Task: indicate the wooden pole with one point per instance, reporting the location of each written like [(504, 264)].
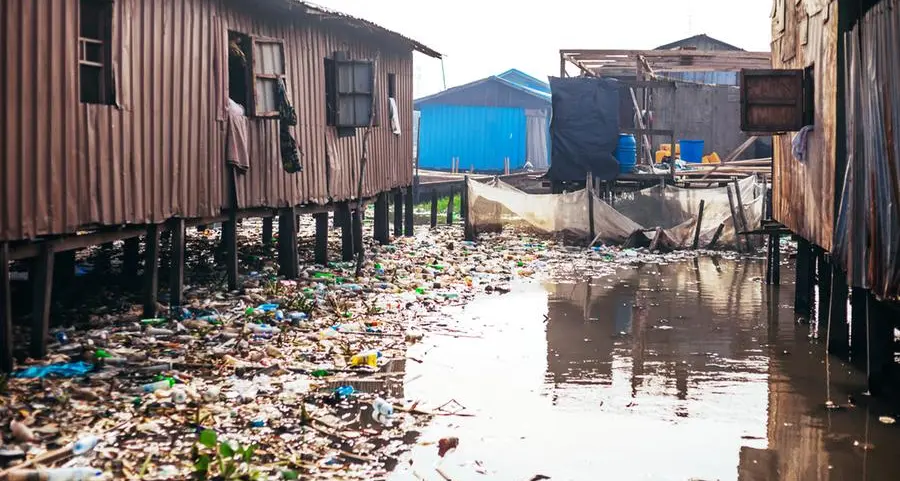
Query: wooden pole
[(398, 213), (229, 236), (838, 329), (803, 289), (450, 207), (288, 255), (346, 221), (267, 231), (321, 247), (859, 337), (696, 242), (381, 227), (735, 219), (464, 198), (6, 330), (356, 220), (151, 270), (176, 270), (409, 219), (589, 190), (716, 235), (740, 208), (823, 279), (879, 318), (468, 221), (434, 208)]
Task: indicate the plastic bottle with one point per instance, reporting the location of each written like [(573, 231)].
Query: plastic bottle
[(279, 315), (157, 331), (263, 328), (298, 316), (382, 411), (84, 445), (158, 385), (369, 358)]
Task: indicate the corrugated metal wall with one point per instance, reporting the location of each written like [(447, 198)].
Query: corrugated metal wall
[(159, 153), (802, 192), (306, 46), (709, 78), (480, 136)]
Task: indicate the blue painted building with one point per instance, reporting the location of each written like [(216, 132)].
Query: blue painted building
[(484, 122)]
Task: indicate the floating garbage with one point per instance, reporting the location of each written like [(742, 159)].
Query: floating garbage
[(65, 369)]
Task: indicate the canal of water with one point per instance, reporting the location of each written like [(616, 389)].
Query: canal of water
[(693, 370)]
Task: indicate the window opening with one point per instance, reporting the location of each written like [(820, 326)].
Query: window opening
[(239, 48), (94, 52), (349, 91)]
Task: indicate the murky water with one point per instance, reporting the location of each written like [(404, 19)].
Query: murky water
[(688, 371)]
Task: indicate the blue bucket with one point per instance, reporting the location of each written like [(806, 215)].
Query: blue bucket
[(626, 153), (691, 150)]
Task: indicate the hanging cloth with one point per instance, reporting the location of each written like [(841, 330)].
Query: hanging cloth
[(287, 117), (799, 143)]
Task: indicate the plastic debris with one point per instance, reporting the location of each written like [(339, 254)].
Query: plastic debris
[(65, 369)]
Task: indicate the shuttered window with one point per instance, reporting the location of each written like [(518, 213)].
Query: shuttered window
[(775, 101), (268, 69), (350, 92)]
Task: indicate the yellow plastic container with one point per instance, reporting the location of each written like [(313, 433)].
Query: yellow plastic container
[(712, 158), (665, 150)]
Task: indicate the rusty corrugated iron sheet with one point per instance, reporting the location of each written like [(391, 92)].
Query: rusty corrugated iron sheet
[(159, 152), (867, 237), (801, 191)]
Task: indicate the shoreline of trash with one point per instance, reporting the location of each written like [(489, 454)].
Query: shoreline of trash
[(277, 380)]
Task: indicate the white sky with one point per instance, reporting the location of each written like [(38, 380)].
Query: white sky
[(480, 38)]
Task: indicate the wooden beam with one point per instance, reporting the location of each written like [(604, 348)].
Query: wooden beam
[(151, 270), (176, 269), (409, 219), (381, 225), (6, 330), (356, 222), (321, 248), (346, 222), (267, 231), (398, 213), (696, 242)]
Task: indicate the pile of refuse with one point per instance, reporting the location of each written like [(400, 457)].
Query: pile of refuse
[(279, 379)]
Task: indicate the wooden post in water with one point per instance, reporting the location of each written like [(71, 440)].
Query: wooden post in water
[(288, 255), (838, 330), (881, 344), (381, 224), (803, 289), (347, 244), (409, 219), (151, 270), (398, 213), (434, 208), (176, 269), (823, 280), (42, 281), (267, 231), (450, 206), (6, 330), (716, 235), (696, 242), (321, 247)]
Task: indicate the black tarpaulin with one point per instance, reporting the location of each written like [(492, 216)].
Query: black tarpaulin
[(584, 128)]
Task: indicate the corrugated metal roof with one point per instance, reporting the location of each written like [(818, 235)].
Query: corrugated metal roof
[(539, 94), (698, 40), (519, 77), (313, 10)]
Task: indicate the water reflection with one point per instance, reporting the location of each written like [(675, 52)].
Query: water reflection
[(691, 370)]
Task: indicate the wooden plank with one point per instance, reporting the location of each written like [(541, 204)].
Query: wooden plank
[(6, 330), (716, 235), (151, 270), (321, 248), (176, 270)]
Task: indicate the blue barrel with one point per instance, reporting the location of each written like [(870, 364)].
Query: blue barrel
[(626, 153), (691, 150)]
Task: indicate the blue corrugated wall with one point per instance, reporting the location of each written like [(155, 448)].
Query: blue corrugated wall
[(480, 136)]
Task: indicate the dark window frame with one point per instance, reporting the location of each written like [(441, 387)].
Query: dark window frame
[(95, 65), (334, 67), (255, 74)]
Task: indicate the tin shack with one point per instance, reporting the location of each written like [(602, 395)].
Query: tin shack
[(128, 118)]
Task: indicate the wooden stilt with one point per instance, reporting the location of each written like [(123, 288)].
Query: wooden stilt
[(450, 206), (803, 289), (859, 338), (409, 220), (267, 231), (43, 292), (434, 208), (288, 255), (6, 331), (838, 330), (151, 271), (229, 237), (321, 249), (131, 258), (176, 270), (357, 230), (381, 229), (464, 198), (398, 213), (716, 235), (696, 242), (346, 231), (881, 344), (823, 279)]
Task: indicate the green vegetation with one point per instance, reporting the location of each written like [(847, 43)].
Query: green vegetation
[(443, 202)]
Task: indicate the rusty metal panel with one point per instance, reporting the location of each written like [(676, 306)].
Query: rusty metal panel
[(771, 100), (803, 191)]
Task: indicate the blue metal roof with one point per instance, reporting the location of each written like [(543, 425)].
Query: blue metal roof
[(511, 79)]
